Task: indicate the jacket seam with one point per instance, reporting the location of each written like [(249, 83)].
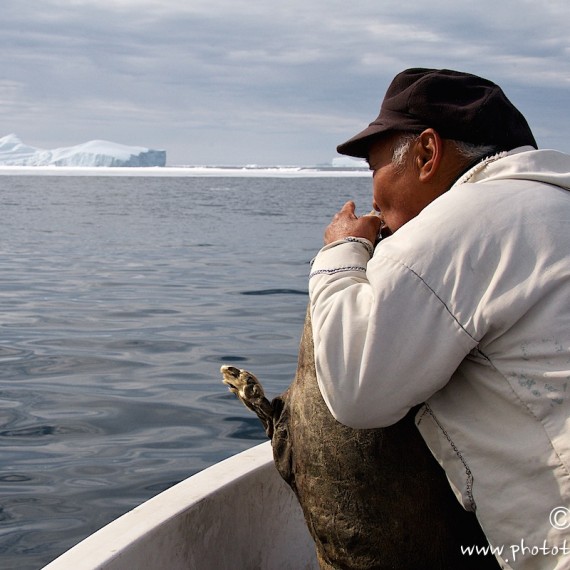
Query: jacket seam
[(401, 263), (469, 483)]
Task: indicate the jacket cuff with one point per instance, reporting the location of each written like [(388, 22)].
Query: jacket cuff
[(349, 254)]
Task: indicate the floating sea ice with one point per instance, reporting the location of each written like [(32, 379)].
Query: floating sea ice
[(13, 152)]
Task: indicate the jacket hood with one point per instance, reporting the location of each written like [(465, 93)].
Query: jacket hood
[(523, 163)]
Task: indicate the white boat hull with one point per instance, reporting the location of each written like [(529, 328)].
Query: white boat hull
[(237, 514)]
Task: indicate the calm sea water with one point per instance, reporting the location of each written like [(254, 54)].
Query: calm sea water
[(120, 299)]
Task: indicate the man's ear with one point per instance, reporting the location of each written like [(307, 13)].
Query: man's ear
[(429, 151)]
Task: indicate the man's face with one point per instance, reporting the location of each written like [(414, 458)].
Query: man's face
[(397, 192)]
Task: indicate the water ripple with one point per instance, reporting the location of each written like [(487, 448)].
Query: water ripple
[(120, 299), (276, 292)]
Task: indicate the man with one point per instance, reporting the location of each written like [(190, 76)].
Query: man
[(465, 307)]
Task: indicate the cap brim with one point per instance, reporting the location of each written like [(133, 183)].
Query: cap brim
[(359, 145)]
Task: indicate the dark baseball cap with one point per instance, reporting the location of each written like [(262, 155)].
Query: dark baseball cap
[(459, 106)]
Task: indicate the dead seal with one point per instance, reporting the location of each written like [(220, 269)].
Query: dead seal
[(372, 499)]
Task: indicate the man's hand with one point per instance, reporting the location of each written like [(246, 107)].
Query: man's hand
[(346, 224)]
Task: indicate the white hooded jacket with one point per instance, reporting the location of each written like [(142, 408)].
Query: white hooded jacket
[(467, 308)]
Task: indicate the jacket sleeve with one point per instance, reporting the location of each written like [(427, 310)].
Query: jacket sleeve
[(384, 341)]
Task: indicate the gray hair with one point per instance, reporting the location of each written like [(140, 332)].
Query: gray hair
[(469, 152)]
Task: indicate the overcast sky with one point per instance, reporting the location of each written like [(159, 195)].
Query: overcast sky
[(262, 82)]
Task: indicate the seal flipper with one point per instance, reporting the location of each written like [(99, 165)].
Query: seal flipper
[(249, 390)]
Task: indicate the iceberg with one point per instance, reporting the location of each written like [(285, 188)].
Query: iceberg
[(13, 152), (348, 162)]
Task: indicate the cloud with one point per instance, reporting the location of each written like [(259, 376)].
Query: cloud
[(263, 82)]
